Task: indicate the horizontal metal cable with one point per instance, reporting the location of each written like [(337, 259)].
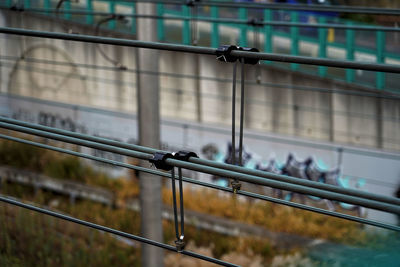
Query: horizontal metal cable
[(239, 169), (369, 93), (217, 187), (205, 50), (195, 126), (342, 197), (112, 231), (252, 101), (209, 19), (277, 6)]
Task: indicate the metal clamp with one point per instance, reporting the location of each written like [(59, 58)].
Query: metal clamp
[(180, 244), (236, 185), (18, 8), (224, 54), (191, 3), (255, 22), (159, 160), (251, 61), (184, 155)]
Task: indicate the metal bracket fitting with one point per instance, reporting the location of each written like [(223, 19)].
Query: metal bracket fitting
[(159, 160), (180, 244), (184, 155), (236, 186), (224, 53)]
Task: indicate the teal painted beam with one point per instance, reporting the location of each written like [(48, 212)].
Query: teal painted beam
[(111, 8), (268, 45), (294, 32), (27, 3), (89, 7), (322, 36), (133, 23), (243, 27), (350, 40), (160, 23), (215, 27), (380, 58), (67, 6), (186, 34), (47, 5)]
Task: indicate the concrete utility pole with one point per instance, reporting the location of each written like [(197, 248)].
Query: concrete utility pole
[(149, 135)]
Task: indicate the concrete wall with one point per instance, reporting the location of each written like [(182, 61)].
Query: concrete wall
[(341, 118), (278, 119)]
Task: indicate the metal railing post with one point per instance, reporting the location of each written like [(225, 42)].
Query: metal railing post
[(111, 8), (89, 7), (186, 34), (160, 23), (133, 24), (380, 58), (268, 45), (47, 5), (322, 35), (67, 6), (243, 27), (215, 27), (350, 52), (27, 3), (294, 32)]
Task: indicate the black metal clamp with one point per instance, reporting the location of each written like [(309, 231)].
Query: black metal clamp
[(255, 22), (236, 185), (158, 160), (18, 8), (191, 3), (224, 54)]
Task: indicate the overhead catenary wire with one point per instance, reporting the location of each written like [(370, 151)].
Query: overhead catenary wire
[(205, 50), (213, 186), (344, 196), (381, 94), (45, 131), (112, 231), (195, 126), (206, 95), (217, 20)]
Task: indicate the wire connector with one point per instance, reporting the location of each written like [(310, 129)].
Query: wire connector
[(236, 186), (18, 8), (184, 155), (251, 61), (255, 22), (224, 53), (191, 3), (159, 160), (180, 244)]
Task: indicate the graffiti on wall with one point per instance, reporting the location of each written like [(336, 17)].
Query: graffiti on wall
[(308, 169), (67, 123)]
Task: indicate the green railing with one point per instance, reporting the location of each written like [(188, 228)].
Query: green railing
[(325, 40)]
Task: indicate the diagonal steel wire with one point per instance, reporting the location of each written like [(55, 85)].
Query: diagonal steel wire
[(391, 68)]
